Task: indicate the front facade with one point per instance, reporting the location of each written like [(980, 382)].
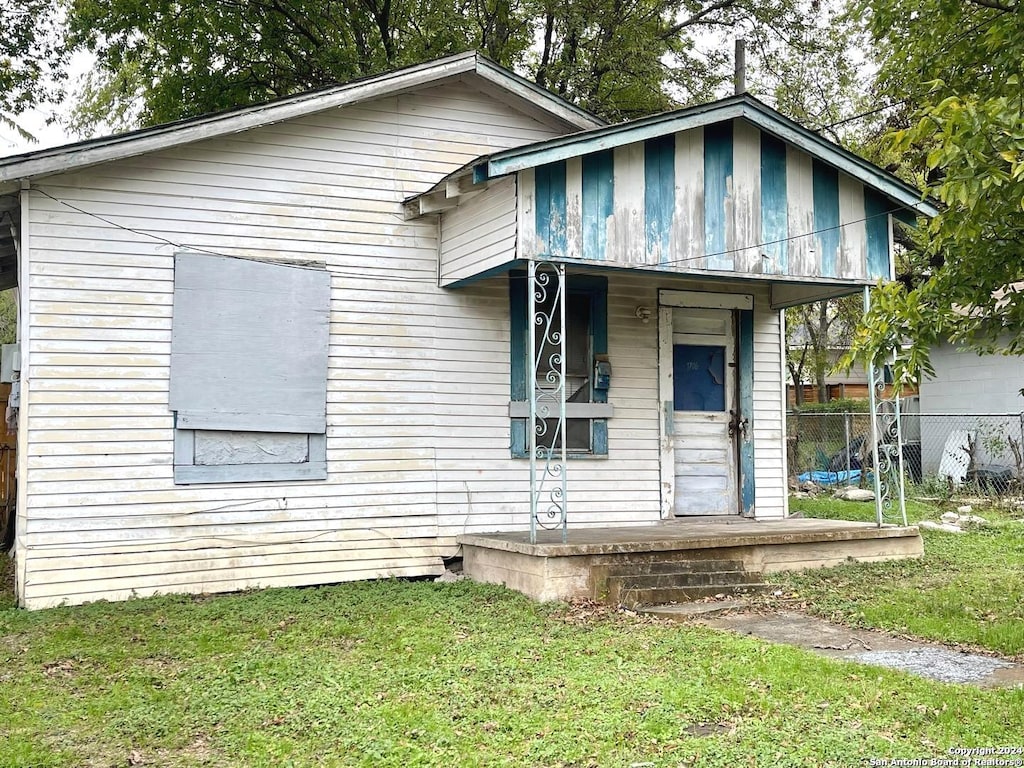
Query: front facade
[(287, 346)]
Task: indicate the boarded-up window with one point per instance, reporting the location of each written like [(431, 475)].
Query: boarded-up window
[(248, 370)]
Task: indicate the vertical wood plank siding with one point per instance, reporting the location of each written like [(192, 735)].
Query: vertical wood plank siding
[(551, 207), (597, 203), (659, 194), (727, 198), (774, 215), (416, 380), (826, 217), (876, 212), (719, 225)]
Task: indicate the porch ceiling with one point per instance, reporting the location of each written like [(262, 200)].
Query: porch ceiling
[(785, 292)]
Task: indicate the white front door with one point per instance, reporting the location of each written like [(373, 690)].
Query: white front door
[(703, 400)]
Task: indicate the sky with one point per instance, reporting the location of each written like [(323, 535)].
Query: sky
[(35, 120)]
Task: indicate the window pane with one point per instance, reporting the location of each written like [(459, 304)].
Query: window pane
[(578, 354), (578, 431)]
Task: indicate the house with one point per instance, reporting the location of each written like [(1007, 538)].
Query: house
[(285, 345), (967, 416)]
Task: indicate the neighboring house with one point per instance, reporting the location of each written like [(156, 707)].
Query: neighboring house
[(851, 384), (974, 395), (285, 345)]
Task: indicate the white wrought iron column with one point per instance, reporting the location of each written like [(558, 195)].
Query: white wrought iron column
[(546, 428), (886, 442)]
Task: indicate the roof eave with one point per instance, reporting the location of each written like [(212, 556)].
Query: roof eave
[(562, 148), (80, 155)]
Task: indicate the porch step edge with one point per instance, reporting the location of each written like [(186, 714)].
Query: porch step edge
[(664, 595), (683, 563), (683, 579)]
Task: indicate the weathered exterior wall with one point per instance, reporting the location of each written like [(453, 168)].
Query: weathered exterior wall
[(418, 381), (100, 517), (970, 384), (724, 198), (480, 234), (480, 489)]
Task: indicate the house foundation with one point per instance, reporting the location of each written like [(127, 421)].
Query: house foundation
[(582, 566)]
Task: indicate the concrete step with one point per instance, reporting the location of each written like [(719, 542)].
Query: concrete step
[(652, 596), (682, 579), (669, 565)]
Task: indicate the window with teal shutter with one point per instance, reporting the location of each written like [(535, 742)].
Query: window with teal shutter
[(587, 338)]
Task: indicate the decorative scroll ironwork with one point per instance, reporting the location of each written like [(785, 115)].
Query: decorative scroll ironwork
[(547, 383), (887, 445)]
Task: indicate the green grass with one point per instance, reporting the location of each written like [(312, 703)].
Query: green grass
[(423, 674), (967, 589)]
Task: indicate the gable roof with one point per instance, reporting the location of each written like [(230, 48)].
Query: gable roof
[(740, 106), (72, 157)]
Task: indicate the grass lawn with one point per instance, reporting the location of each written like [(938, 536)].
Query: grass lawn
[(417, 673), (968, 588)]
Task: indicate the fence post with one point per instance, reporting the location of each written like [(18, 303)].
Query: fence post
[(846, 444)]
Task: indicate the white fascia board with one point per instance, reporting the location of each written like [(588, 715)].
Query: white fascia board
[(528, 91), (554, 150), (862, 171), (504, 163), (73, 157)]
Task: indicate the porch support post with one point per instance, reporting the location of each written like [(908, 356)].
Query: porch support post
[(886, 442), (546, 346)]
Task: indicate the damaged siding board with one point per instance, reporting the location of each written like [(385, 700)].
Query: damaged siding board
[(551, 209), (688, 234), (719, 200), (876, 213), (598, 203), (852, 233), (747, 198), (107, 521), (659, 196), (826, 217), (800, 204), (774, 214)]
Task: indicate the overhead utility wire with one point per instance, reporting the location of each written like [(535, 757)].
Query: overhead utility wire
[(415, 278)]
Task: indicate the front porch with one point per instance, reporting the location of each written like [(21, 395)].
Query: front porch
[(593, 562)]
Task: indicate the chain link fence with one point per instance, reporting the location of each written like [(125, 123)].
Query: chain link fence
[(942, 452)]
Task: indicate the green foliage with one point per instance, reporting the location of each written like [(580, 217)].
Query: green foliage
[(962, 137), (8, 318), (816, 334), (400, 674), (160, 61), (838, 405), (966, 589), (28, 53)]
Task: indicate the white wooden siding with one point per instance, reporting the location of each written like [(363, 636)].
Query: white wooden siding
[(418, 380), (102, 517), (480, 234)]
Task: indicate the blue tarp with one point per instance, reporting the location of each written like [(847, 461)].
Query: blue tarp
[(831, 478)]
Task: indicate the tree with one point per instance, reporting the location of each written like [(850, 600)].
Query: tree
[(956, 66), (29, 53), (161, 60), (815, 335)]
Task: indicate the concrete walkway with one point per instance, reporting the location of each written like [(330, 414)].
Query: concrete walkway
[(867, 646)]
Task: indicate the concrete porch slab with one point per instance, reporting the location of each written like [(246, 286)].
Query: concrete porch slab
[(579, 568)]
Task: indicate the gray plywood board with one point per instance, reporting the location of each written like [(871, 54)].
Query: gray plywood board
[(249, 345)]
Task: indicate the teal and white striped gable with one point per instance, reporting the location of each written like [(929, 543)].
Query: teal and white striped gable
[(726, 197), (731, 188)]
